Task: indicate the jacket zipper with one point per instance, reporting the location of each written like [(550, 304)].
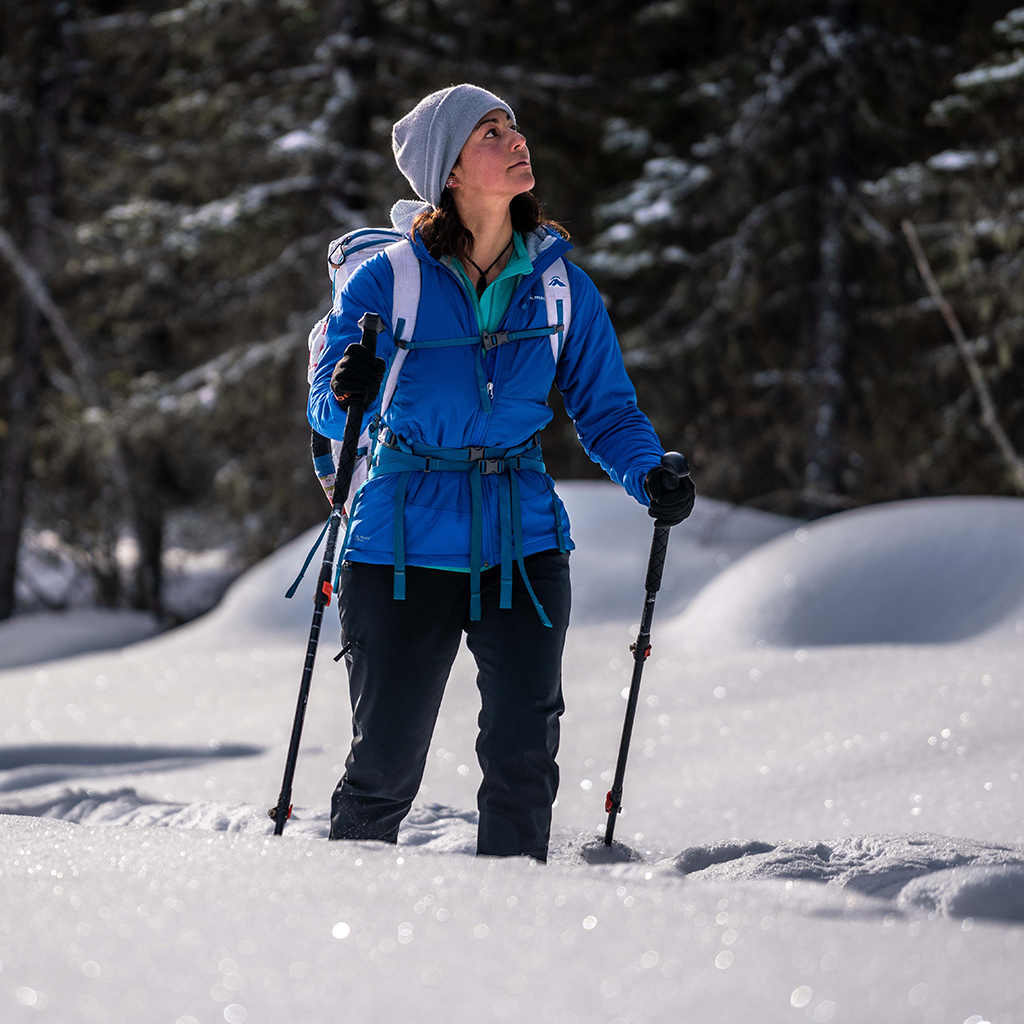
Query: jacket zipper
[(490, 557)]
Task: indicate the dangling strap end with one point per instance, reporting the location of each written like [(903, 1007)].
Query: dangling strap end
[(399, 536), (309, 558)]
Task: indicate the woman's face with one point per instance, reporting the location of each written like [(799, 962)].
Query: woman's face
[(495, 160)]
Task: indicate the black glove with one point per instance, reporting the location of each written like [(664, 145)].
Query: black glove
[(357, 376), (671, 492)]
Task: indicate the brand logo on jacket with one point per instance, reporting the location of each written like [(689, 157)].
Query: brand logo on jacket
[(556, 282)]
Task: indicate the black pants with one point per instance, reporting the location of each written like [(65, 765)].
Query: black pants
[(402, 652)]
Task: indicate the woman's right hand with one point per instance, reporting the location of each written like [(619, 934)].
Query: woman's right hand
[(357, 376)]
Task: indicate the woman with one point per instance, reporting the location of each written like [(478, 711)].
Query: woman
[(458, 528)]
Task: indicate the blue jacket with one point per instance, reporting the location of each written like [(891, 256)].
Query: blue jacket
[(437, 403)]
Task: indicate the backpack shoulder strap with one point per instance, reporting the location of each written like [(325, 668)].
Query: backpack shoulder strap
[(406, 303), (404, 308), (558, 299)]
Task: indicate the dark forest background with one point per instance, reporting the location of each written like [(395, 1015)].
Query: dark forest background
[(735, 174)]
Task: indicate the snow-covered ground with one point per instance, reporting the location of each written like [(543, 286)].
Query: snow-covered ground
[(823, 802), (42, 636)]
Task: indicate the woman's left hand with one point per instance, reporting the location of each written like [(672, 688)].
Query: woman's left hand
[(671, 496)]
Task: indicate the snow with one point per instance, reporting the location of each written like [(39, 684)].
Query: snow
[(297, 141), (952, 160), (665, 181), (1011, 27), (221, 214), (823, 808), (620, 136), (43, 635), (997, 74), (914, 572)]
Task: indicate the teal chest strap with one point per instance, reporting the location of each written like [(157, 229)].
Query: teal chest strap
[(394, 455), (485, 341)]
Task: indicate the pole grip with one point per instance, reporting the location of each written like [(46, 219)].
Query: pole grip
[(371, 326), (656, 563), (676, 467)]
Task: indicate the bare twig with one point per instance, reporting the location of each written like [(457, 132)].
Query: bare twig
[(989, 417), (35, 288), (83, 367)]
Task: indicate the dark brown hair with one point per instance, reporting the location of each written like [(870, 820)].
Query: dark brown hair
[(444, 234)]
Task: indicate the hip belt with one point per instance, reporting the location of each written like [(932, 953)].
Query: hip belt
[(395, 455)]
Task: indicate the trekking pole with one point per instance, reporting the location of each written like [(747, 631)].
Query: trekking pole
[(675, 465), (371, 325)]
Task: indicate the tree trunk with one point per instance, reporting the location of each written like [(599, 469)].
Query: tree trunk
[(22, 416), (825, 455), (149, 533), (24, 390)]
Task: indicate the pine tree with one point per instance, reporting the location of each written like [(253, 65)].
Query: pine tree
[(731, 258), (33, 100), (965, 200), (209, 154)]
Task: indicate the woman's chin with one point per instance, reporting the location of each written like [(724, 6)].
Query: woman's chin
[(524, 182)]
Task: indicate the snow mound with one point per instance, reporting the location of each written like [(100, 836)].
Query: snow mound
[(955, 877), (44, 636), (935, 570), (993, 892), (433, 828), (613, 537), (126, 806)]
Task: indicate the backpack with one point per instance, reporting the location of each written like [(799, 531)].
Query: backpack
[(344, 256)]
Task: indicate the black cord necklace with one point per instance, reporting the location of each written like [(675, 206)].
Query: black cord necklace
[(481, 285)]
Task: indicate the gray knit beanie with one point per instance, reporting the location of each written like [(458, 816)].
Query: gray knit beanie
[(428, 140)]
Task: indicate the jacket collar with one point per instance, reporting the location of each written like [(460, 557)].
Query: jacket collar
[(543, 246)]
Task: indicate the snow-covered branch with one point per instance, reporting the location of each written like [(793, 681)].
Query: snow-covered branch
[(200, 388), (727, 290)]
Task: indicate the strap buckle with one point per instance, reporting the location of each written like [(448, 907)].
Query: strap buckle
[(476, 454), (492, 340), (492, 466)]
